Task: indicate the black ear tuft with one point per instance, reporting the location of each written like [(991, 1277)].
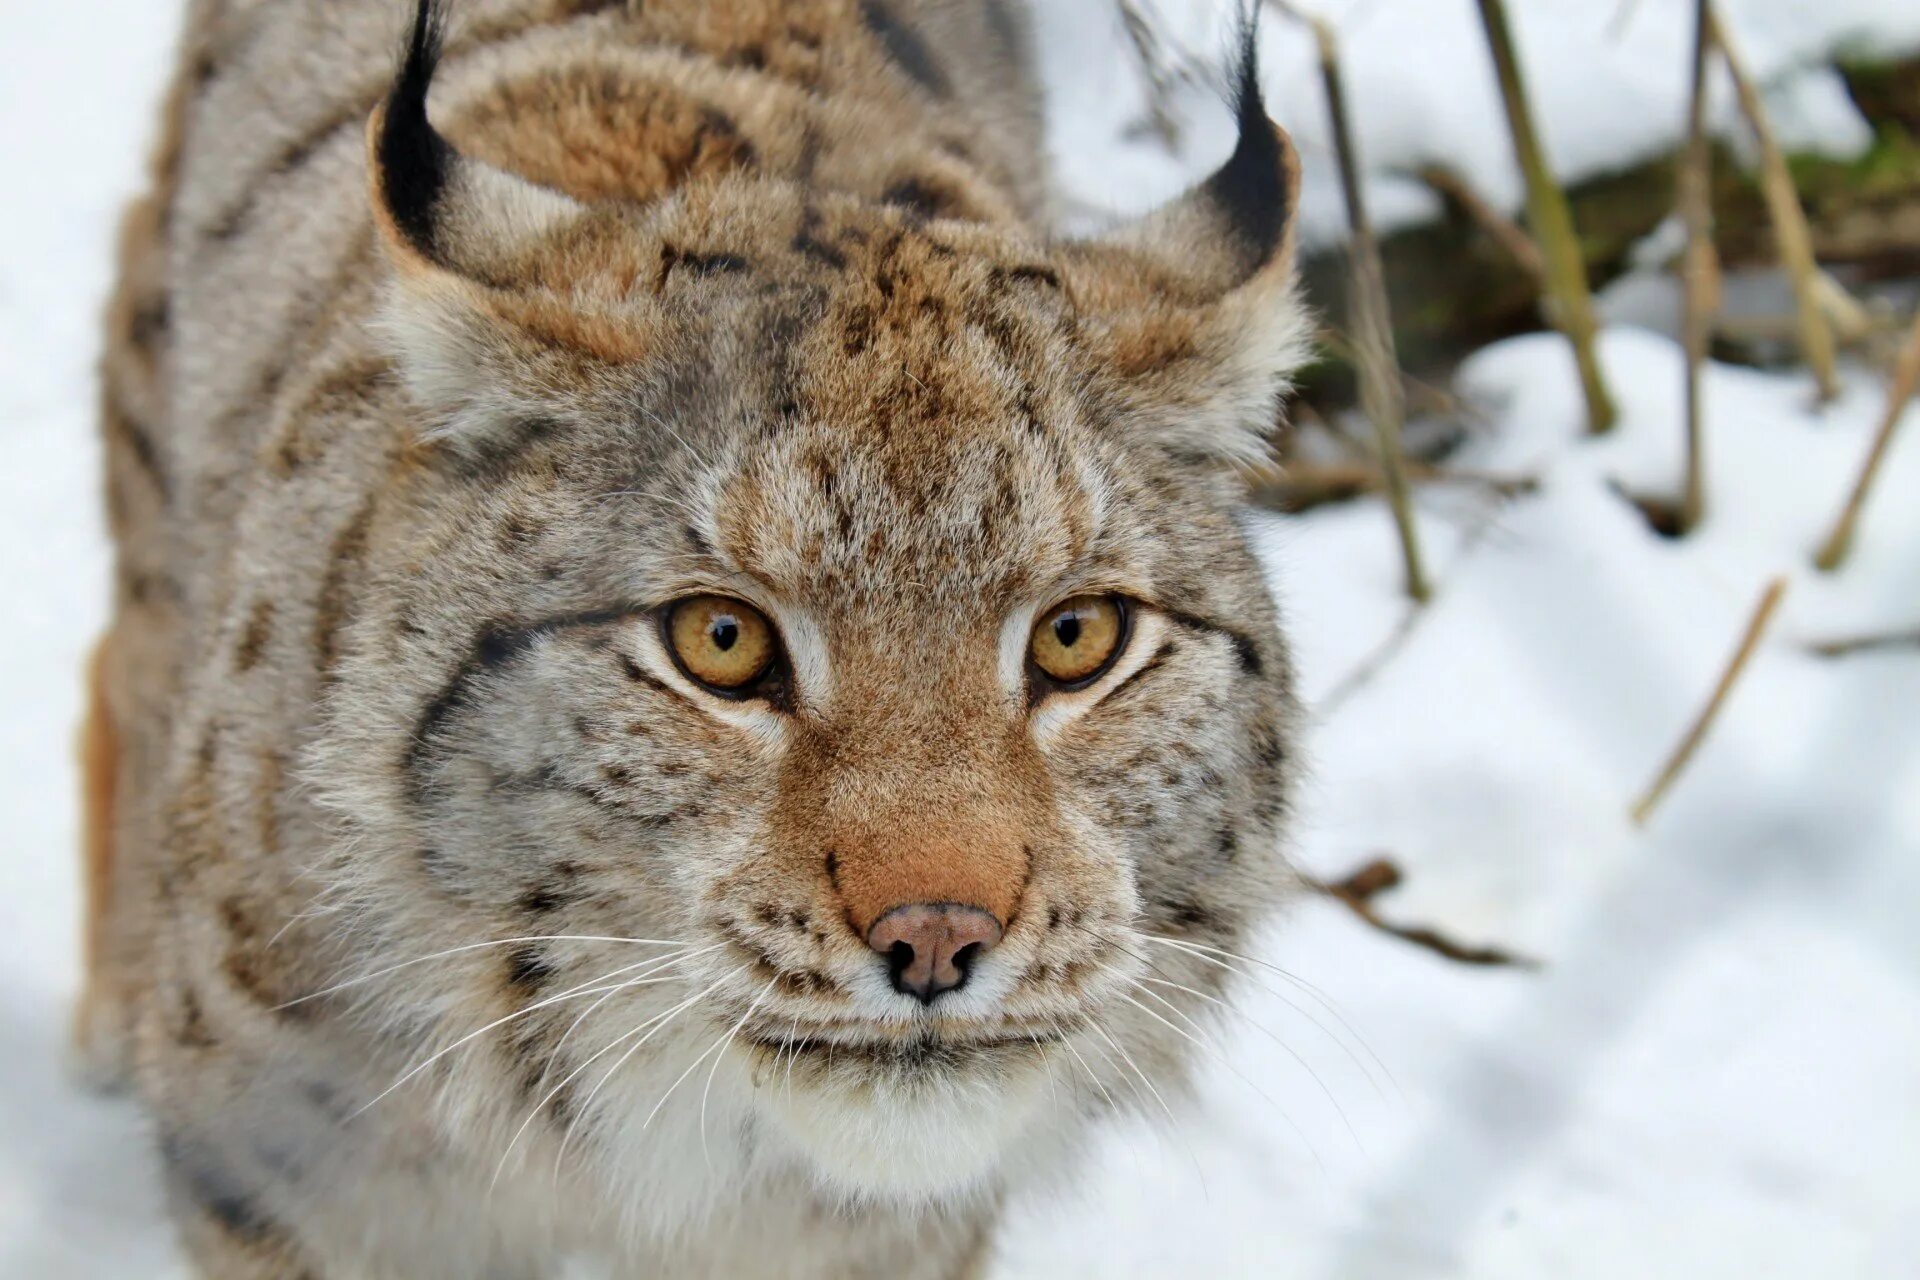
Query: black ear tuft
[(1251, 189), (415, 163)]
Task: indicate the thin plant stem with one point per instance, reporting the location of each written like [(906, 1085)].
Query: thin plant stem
[(1789, 220), (1877, 643), (1699, 269), (1696, 733), (1906, 375), (1551, 222), (1382, 393), (1508, 234)]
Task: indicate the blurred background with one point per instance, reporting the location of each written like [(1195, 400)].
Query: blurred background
[(1597, 528)]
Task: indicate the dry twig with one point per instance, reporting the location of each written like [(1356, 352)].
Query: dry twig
[(1421, 396), (1508, 234), (1382, 395), (1700, 272), (1551, 222), (1358, 891), (1906, 374), (1150, 54), (1789, 220), (1696, 733), (1302, 487), (1851, 645)]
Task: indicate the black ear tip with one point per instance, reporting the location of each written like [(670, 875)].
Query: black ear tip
[(1253, 187), (415, 162), (1249, 106)]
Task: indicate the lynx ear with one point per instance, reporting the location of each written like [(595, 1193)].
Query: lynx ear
[(1197, 301), (458, 233), (437, 209), (1239, 224)]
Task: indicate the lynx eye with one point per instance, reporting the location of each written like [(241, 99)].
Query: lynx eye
[(1079, 639), (726, 645)]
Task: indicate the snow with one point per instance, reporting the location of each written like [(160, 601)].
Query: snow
[(1608, 79), (1713, 1072)]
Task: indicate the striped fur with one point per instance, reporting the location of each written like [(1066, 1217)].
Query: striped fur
[(408, 444)]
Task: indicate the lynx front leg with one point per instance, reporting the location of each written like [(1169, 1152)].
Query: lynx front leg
[(101, 1027)]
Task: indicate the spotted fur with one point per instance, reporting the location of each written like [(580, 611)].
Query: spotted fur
[(426, 392)]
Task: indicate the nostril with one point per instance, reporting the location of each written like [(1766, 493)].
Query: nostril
[(899, 960), (963, 959)]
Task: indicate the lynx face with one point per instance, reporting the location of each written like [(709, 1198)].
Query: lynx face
[(850, 597)]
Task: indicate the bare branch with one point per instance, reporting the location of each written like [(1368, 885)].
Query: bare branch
[(1507, 233), (1789, 220), (1700, 272), (1906, 374), (1357, 893), (1851, 645), (1150, 54), (1382, 394), (1297, 488), (1697, 732)]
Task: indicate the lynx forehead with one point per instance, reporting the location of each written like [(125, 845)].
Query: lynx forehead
[(686, 684)]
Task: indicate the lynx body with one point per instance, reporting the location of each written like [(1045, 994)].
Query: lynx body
[(451, 914)]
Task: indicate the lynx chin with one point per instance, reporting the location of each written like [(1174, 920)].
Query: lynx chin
[(686, 686)]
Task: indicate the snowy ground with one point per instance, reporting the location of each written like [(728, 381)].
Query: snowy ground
[(1714, 1073)]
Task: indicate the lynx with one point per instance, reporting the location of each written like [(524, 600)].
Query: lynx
[(687, 687)]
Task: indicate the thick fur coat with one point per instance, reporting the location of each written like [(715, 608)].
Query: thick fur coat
[(444, 922)]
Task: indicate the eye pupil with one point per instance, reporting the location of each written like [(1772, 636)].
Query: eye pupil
[(1066, 630), (725, 633)]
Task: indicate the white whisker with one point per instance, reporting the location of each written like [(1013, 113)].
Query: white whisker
[(1284, 1047), (1133, 1066), (1221, 1058), (672, 1013), (585, 988), (1173, 1122), (720, 1052), (471, 946), (1091, 1075), (1211, 955), (657, 965), (792, 1056), (533, 1112)]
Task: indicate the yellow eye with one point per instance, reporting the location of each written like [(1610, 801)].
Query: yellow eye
[(724, 644), (1078, 639)]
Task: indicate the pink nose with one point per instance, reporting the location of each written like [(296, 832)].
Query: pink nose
[(931, 946)]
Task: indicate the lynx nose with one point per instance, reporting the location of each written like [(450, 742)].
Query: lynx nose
[(931, 946)]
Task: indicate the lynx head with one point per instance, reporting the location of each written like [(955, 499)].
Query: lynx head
[(847, 591)]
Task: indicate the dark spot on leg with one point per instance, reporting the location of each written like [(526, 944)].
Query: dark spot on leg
[(807, 241), (1034, 275), (921, 198)]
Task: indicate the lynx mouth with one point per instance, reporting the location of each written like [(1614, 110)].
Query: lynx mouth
[(920, 1051)]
